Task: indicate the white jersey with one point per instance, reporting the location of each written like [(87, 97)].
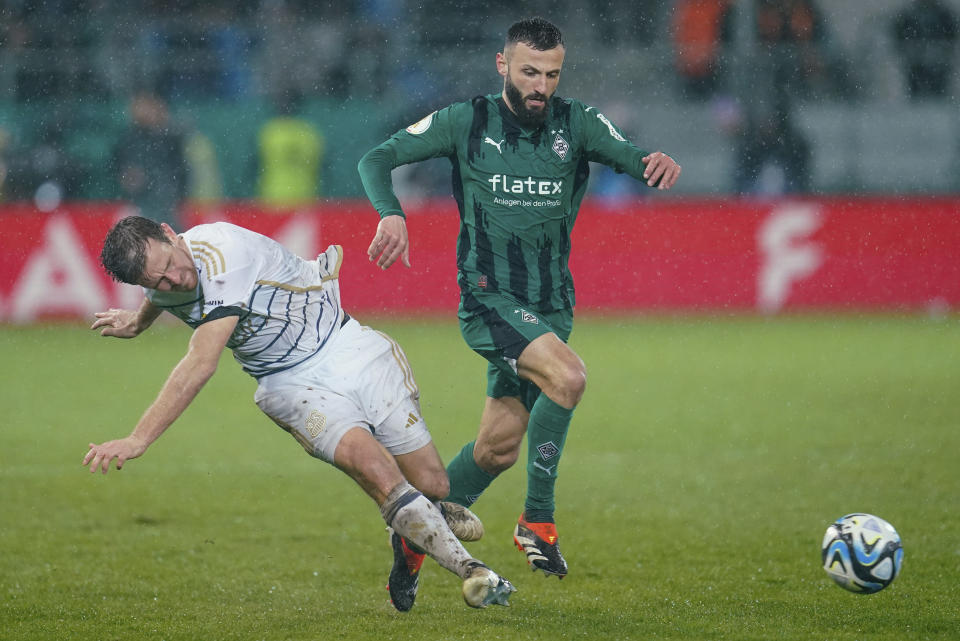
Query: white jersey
[(288, 307)]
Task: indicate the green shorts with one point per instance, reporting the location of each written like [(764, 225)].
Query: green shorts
[(499, 328)]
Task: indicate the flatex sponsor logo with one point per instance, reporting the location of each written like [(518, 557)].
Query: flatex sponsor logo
[(529, 186)]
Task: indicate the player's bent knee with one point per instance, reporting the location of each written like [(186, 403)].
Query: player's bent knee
[(494, 460), (571, 386), (424, 470), (435, 488), (362, 458)]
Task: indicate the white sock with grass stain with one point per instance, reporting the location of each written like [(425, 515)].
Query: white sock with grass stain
[(415, 518)]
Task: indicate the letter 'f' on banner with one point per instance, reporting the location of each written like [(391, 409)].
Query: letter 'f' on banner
[(786, 253)]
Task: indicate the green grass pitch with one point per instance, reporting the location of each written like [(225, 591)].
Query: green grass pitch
[(703, 465)]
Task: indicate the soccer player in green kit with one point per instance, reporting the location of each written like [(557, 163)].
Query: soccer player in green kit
[(520, 167)]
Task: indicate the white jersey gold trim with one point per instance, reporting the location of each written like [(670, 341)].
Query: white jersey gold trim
[(218, 262), (290, 288), (288, 307)]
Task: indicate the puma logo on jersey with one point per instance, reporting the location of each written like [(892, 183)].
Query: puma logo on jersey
[(493, 142)]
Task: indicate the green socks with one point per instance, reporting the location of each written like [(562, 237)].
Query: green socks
[(467, 479), (546, 433)]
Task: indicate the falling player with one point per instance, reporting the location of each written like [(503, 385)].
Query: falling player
[(344, 391)]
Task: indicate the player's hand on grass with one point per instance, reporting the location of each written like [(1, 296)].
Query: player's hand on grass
[(390, 242), (661, 169), (122, 450), (122, 323)]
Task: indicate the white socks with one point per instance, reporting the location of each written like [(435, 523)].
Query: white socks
[(419, 521)]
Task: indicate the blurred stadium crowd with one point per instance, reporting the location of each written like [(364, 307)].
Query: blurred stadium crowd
[(751, 96)]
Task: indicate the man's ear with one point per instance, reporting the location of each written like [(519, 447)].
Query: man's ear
[(168, 231), (502, 67)]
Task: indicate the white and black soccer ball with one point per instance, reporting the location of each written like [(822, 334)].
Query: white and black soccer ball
[(862, 553)]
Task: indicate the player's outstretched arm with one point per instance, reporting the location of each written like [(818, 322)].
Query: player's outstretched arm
[(661, 170), (390, 242), (126, 323), (182, 386)]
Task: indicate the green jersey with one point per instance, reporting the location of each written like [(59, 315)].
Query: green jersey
[(518, 190)]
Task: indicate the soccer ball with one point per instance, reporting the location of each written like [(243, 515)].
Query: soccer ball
[(862, 553)]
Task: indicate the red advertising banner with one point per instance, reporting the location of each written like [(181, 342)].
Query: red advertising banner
[(658, 255)]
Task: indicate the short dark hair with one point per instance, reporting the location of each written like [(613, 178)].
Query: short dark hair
[(124, 253), (536, 33)]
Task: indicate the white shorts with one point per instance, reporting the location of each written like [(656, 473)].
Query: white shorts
[(360, 379)]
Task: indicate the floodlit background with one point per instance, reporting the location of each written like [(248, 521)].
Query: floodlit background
[(687, 76)]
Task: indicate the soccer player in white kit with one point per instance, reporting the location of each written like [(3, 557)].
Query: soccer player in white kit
[(345, 392)]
